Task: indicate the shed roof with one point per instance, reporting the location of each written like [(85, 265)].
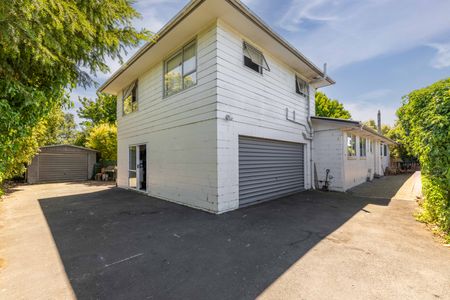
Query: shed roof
[(192, 19), (73, 146)]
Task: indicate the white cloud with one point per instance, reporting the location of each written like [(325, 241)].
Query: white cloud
[(442, 58), (362, 111), (348, 31)]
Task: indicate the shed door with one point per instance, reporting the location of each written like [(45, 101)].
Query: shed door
[(269, 169), (63, 167)]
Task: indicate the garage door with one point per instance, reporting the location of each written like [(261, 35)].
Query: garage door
[(63, 167), (269, 169)]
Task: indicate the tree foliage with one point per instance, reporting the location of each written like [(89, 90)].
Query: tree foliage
[(371, 123), (103, 137), (330, 108), (100, 110), (60, 128), (46, 48), (425, 119)]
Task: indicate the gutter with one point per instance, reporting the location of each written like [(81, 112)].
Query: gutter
[(355, 124)]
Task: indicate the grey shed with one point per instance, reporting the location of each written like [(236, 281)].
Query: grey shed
[(62, 163)]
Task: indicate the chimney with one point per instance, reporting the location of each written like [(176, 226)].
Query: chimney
[(379, 122)]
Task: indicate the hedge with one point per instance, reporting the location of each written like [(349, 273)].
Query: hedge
[(425, 117)]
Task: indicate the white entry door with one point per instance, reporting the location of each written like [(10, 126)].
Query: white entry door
[(137, 167)]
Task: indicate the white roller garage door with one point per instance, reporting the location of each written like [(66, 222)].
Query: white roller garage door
[(63, 167), (269, 169)]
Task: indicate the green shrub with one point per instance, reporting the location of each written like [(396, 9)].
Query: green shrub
[(103, 138), (425, 118)]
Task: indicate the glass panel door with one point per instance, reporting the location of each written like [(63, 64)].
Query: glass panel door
[(132, 182), (142, 167)]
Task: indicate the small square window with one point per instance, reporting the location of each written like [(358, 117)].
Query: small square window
[(254, 59), (129, 99), (301, 87)]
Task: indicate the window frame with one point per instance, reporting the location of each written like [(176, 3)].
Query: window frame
[(174, 54), (252, 48), (353, 146), (297, 88), (131, 90), (385, 149), (362, 149)]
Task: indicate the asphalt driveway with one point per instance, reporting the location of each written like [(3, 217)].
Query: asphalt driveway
[(88, 241)]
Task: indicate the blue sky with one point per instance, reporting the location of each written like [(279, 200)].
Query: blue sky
[(376, 50)]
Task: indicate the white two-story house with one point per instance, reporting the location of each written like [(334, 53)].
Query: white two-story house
[(216, 113)]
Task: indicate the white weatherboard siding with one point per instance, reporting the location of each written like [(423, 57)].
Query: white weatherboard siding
[(179, 132), (257, 104)]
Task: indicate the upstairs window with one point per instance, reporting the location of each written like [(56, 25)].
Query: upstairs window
[(351, 145), (362, 147), (180, 70), (301, 87), (129, 99), (254, 59)]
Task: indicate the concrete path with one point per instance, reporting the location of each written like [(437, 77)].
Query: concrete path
[(411, 190), (66, 241), (399, 187)]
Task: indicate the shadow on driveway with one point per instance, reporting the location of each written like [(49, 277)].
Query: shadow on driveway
[(120, 244)]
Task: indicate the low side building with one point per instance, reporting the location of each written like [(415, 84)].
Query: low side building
[(351, 152)]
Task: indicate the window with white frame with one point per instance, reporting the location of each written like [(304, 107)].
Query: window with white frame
[(129, 99), (301, 87), (362, 147), (370, 146), (254, 59), (385, 150), (351, 145), (180, 70)]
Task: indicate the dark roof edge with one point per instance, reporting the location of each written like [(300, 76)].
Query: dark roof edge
[(337, 120), (68, 145), (356, 124)]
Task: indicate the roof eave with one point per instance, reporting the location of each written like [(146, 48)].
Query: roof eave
[(261, 24), (161, 33), (356, 125), (189, 8)]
